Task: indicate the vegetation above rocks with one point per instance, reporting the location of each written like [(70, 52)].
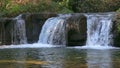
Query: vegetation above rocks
[(15, 7)]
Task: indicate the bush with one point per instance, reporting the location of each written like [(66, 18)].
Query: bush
[(118, 10), (94, 5), (13, 8)]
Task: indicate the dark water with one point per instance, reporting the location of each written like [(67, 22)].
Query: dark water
[(58, 57)]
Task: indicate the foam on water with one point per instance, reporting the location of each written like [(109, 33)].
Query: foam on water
[(98, 47), (40, 45), (35, 45)]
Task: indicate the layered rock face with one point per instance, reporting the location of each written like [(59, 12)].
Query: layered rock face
[(75, 29), (5, 31), (34, 23), (116, 30), (9, 32)]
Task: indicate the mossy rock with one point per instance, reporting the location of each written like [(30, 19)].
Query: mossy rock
[(34, 23), (5, 31), (116, 30), (77, 30)]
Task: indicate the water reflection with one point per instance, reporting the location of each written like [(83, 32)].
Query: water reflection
[(54, 57), (19, 55), (75, 58), (99, 59), (18, 58), (59, 58)]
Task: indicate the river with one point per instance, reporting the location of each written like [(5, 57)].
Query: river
[(59, 57)]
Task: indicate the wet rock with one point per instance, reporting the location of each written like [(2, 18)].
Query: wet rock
[(116, 30), (76, 30), (34, 23), (5, 31)]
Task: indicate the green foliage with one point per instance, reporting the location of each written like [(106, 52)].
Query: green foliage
[(118, 28), (64, 3), (94, 5), (118, 25), (52, 7), (64, 7), (118, 10), (65, 10), (12, 9)]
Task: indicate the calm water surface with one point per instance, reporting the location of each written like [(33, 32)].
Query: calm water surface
[(59, 57)]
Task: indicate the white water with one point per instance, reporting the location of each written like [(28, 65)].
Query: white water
[(19, 31), (53, 31), (35, 45), (99, 30)]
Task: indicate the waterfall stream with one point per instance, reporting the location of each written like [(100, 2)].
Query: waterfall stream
[(99, 30), (53, 31), (19, 31)]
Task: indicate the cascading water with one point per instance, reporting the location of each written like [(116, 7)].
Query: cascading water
[(19, 31), (99, 29), (53, 31)]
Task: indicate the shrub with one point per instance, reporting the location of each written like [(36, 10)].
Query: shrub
[(15, 7)]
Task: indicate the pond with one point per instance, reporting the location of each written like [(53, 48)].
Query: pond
[(59, 57)]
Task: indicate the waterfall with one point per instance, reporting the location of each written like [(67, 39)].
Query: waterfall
[(19, 31), (99, 29), (53, 31)]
